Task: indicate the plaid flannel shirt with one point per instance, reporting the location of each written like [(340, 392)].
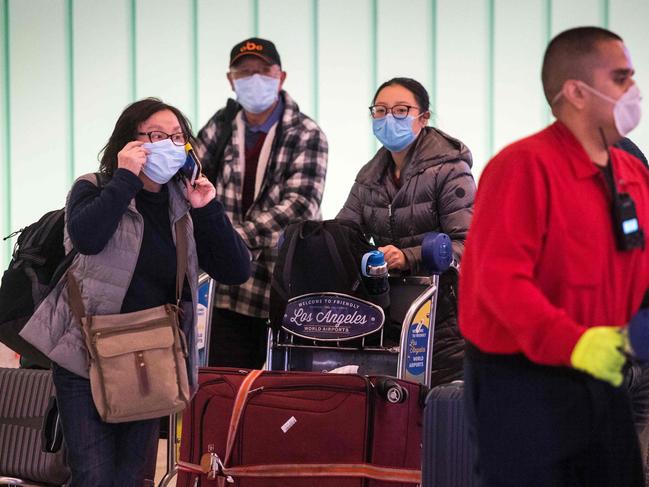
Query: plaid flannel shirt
[(291, 190)]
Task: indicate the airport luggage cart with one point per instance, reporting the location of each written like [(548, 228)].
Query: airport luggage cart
[(413, 304), (325, 331), (206, 291)]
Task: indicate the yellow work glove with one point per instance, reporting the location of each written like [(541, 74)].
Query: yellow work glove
[(599, 353)]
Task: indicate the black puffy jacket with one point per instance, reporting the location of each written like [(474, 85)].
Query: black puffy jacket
[(436, 194)]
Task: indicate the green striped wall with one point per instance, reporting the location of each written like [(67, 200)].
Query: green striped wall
[(68, 67)]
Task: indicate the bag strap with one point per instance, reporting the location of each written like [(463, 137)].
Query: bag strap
[(332, 247), (181, 256), (74, 294), (237, 410), (288, 257), (215, 152), (213, 467)]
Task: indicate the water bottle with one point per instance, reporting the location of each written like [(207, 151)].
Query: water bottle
[(375, 272)]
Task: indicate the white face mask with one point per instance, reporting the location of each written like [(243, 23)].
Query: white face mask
[(627, 109)]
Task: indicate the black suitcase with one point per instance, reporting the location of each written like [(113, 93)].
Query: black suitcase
[(31, 441), (448, 457)]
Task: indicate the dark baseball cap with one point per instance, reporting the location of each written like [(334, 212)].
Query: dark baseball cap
[(255, 46)]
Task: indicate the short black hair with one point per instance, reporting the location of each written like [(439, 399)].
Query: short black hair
[(126, 129), (572, 54), (413, 86)]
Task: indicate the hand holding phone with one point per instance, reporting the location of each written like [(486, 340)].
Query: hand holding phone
[(192, 168)]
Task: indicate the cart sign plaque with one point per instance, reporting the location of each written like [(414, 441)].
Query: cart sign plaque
[(331, 317)]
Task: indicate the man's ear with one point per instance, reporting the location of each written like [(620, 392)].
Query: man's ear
[(282, 78), (574, 93), (230, 79)]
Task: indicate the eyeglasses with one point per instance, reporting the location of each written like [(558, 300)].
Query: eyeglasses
[(156, 136), (397, 111)]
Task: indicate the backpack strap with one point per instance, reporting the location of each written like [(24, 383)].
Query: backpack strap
[(332, 247), (29, 249), (333, 229), (299, 234), (181, 256), (296, 235), (101, 179), (213, 157)]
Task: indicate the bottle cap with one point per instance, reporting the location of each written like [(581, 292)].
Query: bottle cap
[(376, 258), (373, 263)]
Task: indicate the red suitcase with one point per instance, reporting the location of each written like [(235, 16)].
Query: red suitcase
[(294, 429)]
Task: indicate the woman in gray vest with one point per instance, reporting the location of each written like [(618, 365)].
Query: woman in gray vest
[(419, 181), (126, 261)]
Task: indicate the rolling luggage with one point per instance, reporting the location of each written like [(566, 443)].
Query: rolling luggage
[(448, 458), (294, 429), (31, 448)]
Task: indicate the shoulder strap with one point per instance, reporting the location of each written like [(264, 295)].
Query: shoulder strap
[(296, 234), (181, 256), (332, 247), (215, 152), (42, 228), (102, 179), (74, 296), (336, 234)]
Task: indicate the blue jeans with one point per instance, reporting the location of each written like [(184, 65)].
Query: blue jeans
[(100, 454)]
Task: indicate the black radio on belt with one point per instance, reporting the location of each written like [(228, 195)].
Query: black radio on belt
[(628, 233)]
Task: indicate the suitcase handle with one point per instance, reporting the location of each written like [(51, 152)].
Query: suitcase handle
[(51, 433)]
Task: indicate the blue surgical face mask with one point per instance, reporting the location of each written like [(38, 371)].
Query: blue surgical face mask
[(164, 160), (394, 133), (256, 93)]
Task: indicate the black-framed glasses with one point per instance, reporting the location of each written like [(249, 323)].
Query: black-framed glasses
[(179, 138), (397, 111)]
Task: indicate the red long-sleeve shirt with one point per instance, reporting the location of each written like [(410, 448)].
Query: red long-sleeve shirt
[(541, 264)]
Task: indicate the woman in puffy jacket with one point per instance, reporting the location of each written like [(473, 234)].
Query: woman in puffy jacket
[(419, 181)]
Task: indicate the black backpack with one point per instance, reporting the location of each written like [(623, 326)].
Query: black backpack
[(37, 264), (315, 257)]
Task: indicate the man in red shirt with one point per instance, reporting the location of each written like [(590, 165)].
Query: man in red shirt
[(548, 280)]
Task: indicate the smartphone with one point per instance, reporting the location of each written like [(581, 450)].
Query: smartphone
[(192, 168)]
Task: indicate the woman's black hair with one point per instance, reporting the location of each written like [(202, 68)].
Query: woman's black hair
[(413, 86), (126, 129)]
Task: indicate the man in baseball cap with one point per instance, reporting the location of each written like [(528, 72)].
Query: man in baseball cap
[(268, 162), (255, 46)]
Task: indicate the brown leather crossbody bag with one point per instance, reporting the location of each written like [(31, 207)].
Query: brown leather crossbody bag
[(137, 360)]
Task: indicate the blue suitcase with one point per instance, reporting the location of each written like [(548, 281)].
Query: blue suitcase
[(448, 457)]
